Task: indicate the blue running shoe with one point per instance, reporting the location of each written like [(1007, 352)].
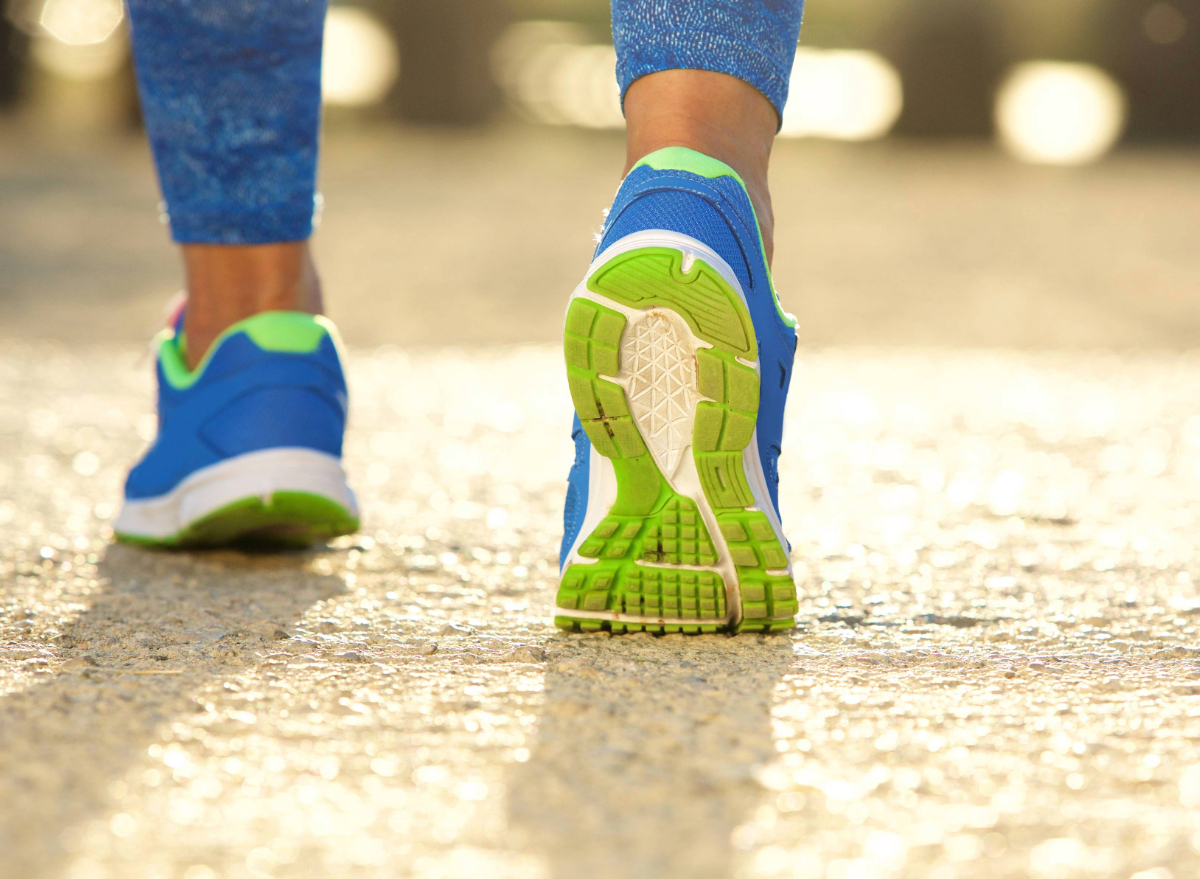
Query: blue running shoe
[(249, 444), (678, 358)]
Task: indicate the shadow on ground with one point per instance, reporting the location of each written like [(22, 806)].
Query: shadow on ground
[(647, 752), (159, 631)]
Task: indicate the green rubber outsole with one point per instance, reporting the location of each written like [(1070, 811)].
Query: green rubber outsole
[(288, 520), (653, 545)]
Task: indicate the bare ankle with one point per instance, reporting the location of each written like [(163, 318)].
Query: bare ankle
[(712, 113), (228, 283)]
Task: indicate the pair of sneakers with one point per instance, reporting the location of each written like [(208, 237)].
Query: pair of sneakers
[(678, 360)]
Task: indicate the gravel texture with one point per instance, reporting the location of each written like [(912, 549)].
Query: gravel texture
[(996, 671)]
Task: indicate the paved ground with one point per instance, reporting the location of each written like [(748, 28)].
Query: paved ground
[(997, 669), (996, 672)]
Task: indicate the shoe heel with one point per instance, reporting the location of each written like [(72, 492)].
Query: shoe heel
[(661, 356), (274, 497)]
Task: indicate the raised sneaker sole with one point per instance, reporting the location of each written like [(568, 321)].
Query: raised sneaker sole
[(288, 497), (679, 534)]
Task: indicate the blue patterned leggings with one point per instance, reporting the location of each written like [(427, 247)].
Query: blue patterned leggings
[(231, 93)]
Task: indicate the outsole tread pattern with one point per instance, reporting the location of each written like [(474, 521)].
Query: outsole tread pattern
[(643, 591), (650, 527), (654, 276), (675, 535)]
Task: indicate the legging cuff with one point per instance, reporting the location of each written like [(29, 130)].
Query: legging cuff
[(754, 41), (224, 224)]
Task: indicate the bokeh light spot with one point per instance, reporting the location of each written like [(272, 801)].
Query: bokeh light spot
[(1055, 113), (842, 95), (361, 60)]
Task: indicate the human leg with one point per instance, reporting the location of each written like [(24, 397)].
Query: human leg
[(713, 113), (709, 76), (231, 95), (252, 399), (678, 353)]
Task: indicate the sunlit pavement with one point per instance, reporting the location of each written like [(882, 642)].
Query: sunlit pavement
[(996, 671)]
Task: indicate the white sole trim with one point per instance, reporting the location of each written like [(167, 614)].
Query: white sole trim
[(255, 474)]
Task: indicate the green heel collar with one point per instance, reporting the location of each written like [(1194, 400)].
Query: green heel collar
[(291, 332)]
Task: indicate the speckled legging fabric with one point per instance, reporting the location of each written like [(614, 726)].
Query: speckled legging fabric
[(231, 94), (754, 40)]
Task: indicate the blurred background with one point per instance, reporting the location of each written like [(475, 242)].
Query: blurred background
[(949, 172)]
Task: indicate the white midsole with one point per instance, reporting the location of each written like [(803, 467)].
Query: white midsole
[(254, 474), (601, 476)]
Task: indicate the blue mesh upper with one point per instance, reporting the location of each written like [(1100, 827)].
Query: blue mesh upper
[(246, 400), (690, 215), (577, 491)]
